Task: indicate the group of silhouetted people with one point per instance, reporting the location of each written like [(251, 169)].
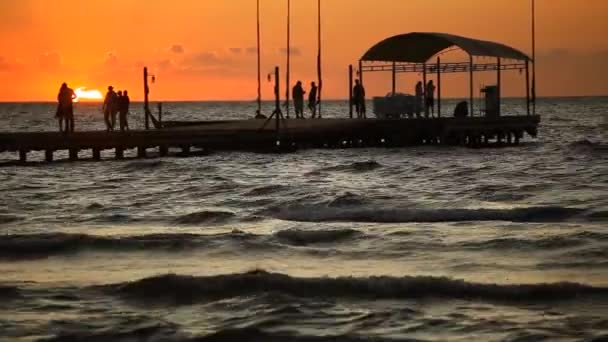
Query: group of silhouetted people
[(113, 104), (297, 93), (65, 108), (425, 95)]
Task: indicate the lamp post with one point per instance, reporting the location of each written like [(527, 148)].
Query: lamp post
[(146, 92)]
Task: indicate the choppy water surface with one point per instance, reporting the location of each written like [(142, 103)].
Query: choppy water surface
[(428, 243)]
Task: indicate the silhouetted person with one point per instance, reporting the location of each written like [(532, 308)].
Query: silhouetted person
[(123, 106), (109, 107), (461, 110), (430, 99), (298, 99), (359, 99), (419, 95), (312, 99), (65, 108)]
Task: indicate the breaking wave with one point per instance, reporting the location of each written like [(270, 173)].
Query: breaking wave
[(45, 245), (365, 166), (305, 237), (209, 217), (380, 215), (181, 289)]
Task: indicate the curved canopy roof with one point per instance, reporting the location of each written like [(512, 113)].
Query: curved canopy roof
[(418, 47)]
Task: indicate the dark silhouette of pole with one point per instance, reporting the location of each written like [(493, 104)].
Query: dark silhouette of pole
[(146, 91), (533, 58), (528, 87), (426, 107), (288, 58), (394, 74), (277, 99), (438, 87), (320, 79), (471, 84), (350, 91), (259, 61), (498, 85)]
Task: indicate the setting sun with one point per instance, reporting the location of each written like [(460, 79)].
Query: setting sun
[(83, 93)]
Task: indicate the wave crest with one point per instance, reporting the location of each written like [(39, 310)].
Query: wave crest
[(181, 289), (400, 215), (206, 216), (305, 237)]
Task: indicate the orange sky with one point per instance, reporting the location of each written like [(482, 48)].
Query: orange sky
[(199, 49)]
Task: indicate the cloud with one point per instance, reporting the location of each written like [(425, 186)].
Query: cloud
[(177, 48), (294, 51), (164, 64), (111, 60), (252, 50), (206, 59), (236, 50), (50, 60), (7, 65)]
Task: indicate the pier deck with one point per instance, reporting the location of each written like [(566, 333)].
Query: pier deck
[(248, 135)]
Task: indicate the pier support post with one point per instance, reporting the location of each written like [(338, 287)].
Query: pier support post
[(141, 152), (48, 155), (426, 108), (120, 153), (163, 151), (22, 156), (350, 91), (471, 85), (186, 150), (73, 154), (509, 138), (96, 154), (438, 87)]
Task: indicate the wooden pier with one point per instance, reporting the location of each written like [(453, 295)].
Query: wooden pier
[(253, 135)]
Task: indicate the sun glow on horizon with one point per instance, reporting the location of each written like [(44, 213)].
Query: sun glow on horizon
[(83, 93)]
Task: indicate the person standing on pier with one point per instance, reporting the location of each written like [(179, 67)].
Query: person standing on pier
[(430, 99), (419, 94), (298, 99), (312, 99), (65, 108), (109, 104), (123, 106), (359, 99)]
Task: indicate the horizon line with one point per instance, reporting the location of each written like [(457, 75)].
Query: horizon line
[(283, 100)]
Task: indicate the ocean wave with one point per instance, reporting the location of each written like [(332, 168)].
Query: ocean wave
[(180, 289), (364, 166), (555, 242), (45, 245), (205, 216), (266, 190), (7, 218), (9, 292), (144, 165), (305, 237), (346, 199), (401, 215)]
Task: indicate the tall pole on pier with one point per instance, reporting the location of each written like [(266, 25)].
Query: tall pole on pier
[(288, 58), (146, 92), (320, 79), (259, 61), (533, 58)]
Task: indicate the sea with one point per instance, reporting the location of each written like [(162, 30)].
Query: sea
[(428, 243)]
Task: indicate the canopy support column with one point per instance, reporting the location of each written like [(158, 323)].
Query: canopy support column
[(350, 91), (438, 87), (426, 108), (528, 87), (498, 85), (471, 84), (394, 72)]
